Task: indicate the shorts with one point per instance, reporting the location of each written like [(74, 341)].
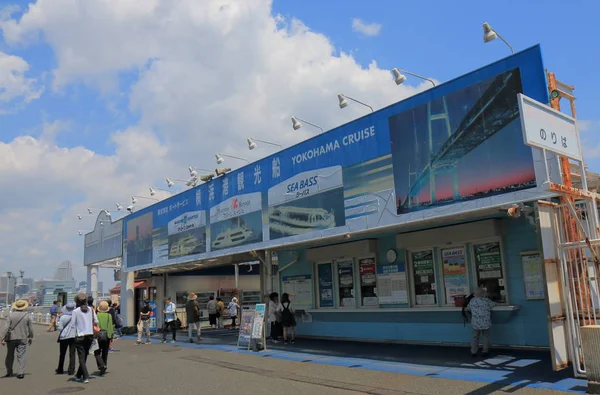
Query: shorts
[(212, 319)]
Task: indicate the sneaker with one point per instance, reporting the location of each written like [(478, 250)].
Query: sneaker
[(76, 379), (137, 343), (285, 342), (163, 341), (57, 371), (191, 341), (86, 381), (173, 341), (148, 342), (102, 371), (293, 341)]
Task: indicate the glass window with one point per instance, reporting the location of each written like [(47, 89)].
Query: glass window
[(488, 268), (456, 276), (346, 283), (325, 284), (368, 281), (423, 271)]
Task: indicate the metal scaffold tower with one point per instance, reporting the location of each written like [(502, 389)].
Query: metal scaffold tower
[(570, 237)]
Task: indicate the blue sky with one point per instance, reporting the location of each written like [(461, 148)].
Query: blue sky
[(135, 92)]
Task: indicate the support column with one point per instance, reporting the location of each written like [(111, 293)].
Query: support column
[(127, 299), (237, 276), (93, 282)]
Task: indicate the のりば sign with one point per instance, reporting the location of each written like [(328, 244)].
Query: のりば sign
[(549, 129)]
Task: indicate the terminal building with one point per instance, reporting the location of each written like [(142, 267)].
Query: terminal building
[(378, 229)]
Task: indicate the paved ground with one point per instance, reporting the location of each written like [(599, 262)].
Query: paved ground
[(216, 368)]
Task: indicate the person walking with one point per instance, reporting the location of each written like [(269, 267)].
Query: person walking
[(104, 337), (220, 313), (84, 320), (17, 334), (169, 313), (233, 308), (144, 323), (481, 321), (192, 309), (66, 340), (211, 306), (53, 316), (286, 311)]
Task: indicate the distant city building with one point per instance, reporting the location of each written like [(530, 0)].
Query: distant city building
[(64, 272), (48, 291)]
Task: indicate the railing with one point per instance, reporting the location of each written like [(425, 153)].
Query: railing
[(38, 318)]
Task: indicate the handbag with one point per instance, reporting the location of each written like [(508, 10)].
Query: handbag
[(95, 326), (102, 333), (7, 336), (63, 329)]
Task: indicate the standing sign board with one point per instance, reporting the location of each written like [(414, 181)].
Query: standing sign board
[(245, 328), (153, 325), (258, 326)]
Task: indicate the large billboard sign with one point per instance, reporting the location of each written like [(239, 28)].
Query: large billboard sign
[(455, 148), (105, 242)]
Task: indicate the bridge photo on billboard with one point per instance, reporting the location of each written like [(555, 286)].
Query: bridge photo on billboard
[(449, 150)]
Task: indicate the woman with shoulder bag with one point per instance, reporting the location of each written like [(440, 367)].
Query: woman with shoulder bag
[(104, 336), (66, 339)]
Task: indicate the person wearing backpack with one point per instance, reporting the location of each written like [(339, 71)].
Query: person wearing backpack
[(104, 336), (286, 311), (480, 308)]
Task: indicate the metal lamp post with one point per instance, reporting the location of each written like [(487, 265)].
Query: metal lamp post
[(8, 277)]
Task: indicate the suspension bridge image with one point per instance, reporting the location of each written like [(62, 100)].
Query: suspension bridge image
[(496, 108)]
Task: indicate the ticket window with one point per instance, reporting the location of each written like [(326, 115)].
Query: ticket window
[(489, 270)]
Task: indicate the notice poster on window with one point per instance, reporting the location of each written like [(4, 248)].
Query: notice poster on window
[(300, 290), (391, 284), (346, 283), (488, 266), (424, 277), (456, 279), (325, 274), (368, 281), (533, 275)]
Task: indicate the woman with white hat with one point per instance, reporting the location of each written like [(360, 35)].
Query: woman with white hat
[(16, 335), (66, 339), (233, 308)]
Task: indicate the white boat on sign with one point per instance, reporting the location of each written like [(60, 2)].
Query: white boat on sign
[(232, 237), (297, 220)]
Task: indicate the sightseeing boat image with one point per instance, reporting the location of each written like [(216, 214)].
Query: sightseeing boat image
[(232, 237), (297, 220), (184, 246)]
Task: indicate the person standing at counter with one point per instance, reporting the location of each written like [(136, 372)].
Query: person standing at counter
[(481, 321)]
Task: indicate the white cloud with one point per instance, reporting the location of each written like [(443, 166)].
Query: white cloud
[(211, 73), (366, 29), (15, 86)]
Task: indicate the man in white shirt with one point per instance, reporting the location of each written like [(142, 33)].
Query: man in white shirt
[(169, 313)]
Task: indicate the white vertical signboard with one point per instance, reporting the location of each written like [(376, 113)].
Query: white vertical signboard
[(549, 129)]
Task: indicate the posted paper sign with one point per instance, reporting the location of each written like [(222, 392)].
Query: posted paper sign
[(391, 284)]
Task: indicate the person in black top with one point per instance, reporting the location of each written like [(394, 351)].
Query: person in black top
[(144, 323)]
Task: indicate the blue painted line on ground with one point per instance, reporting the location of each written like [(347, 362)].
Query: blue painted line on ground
[(480, 374)]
